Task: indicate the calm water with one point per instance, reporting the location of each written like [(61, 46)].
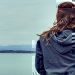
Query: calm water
[(16, 64)]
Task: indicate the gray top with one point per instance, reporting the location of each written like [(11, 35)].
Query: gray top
[(58, 56)]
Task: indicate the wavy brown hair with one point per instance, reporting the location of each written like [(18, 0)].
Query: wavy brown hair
[(65, 20)]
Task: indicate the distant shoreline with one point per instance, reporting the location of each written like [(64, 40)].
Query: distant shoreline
[(12, 51)]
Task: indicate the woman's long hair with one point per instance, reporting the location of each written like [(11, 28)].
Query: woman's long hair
[(65, 20)]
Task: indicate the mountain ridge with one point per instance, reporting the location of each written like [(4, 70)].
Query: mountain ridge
[(17, 48)]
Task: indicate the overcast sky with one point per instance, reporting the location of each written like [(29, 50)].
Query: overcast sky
[(21, 20)]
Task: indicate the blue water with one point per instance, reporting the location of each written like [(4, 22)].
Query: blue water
[(16, 64)]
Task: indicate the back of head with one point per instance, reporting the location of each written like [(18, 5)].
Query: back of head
[(66, 15), (65, 19)]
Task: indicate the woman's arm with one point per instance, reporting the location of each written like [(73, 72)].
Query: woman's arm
[(39, 65)]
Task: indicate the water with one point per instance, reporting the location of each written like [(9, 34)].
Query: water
[(16, 64)]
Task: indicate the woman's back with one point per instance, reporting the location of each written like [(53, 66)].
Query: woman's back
[(59, 56)]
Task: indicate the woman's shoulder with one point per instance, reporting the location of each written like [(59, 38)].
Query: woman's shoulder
[(41, 40)]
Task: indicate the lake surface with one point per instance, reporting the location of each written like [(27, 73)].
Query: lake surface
[(17, 64)]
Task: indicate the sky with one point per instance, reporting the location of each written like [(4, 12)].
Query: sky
[(21, 20), (63, 1)]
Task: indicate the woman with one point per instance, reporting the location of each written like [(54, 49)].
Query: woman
[(55, 50)]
